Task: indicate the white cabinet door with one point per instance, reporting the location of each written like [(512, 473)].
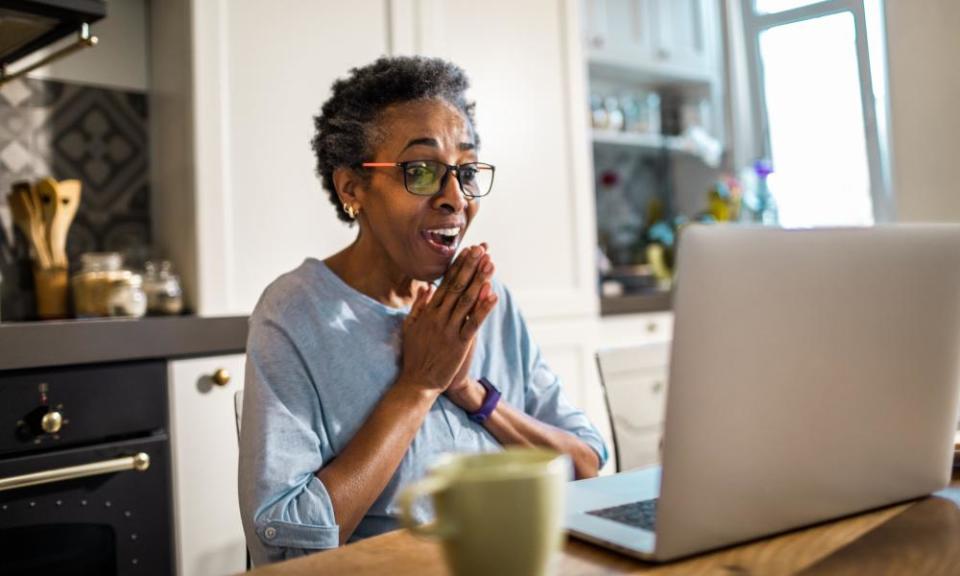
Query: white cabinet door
[(664, 38), (685, 39), (527, 76), (203, 436), (622, 30)]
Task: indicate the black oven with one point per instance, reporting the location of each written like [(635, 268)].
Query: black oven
[(84, 471)]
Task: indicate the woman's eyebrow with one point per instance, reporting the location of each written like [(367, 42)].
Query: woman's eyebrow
[(422, 142), (432, 142)]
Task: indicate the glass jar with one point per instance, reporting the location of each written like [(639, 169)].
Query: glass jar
[(126, 296), (103, 287), (162, 287), (649, 113), (598, 114), (614, 113)]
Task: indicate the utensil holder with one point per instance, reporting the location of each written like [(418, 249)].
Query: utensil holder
[(51, 287)]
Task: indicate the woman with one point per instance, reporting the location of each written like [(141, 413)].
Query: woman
[(360, 372)]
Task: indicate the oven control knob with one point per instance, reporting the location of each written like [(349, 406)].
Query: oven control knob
[(51, 422)]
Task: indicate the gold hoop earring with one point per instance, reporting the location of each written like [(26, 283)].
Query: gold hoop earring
[(351, 211)]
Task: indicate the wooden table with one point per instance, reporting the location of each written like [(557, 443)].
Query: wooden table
[(917, 538)]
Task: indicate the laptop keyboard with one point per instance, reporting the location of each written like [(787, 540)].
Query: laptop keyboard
[(641, 514)]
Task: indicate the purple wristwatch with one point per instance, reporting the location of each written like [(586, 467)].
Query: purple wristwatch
[(490, 400)]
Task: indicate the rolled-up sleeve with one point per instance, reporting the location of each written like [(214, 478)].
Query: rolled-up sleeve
[(544, 398), (546, 402), (286, 509)]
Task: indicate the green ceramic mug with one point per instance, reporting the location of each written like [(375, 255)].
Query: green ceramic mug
[(498, 513)]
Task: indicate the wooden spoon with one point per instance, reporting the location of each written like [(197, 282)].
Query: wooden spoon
[(26, 216), (48, 194), (68, 201)]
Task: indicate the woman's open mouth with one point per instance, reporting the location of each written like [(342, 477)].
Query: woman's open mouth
[(442, 240)]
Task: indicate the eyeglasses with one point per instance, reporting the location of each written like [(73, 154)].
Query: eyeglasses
[(427, 177)]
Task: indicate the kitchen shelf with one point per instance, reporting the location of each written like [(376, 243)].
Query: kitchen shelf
[(653, 301), (612, 67), (653, 142), (641, 140)]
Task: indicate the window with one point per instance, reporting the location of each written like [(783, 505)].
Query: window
[(819, 112)]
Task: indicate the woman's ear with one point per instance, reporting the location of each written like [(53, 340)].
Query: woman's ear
[(347, 184)]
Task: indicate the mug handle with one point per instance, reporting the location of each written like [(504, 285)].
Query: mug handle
[(426, 487)]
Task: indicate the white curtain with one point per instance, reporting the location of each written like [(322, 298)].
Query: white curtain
[(743, 135)]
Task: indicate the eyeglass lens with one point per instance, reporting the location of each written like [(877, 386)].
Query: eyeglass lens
[(425, 177)]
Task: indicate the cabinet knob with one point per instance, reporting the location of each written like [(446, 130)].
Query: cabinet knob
[(221, 377), (51, 422), (597, 41), (663, 53)]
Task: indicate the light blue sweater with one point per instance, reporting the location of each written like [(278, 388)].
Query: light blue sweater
[(319, 357)]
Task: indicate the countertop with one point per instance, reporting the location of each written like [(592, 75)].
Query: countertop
[(70, 342), (636, 303)]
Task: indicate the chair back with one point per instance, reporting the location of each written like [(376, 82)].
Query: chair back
[(634, 382), (238, 413), (238, 408)]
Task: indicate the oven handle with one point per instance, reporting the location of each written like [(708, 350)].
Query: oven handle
[(139, 462)]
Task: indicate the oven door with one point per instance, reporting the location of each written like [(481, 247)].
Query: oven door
[(100, 510)]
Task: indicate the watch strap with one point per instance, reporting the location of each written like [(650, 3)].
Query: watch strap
[(490, 401)]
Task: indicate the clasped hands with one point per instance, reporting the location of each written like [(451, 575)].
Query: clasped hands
[(439, 334)]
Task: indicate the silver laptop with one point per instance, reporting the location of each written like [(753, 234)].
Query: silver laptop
[(813, 374)]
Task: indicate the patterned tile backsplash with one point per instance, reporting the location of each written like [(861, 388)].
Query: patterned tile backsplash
[(96, 135)]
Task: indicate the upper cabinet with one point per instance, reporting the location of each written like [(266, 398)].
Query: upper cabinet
[(671, 39), (685, 46)]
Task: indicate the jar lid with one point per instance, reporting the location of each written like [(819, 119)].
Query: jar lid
[(100, 261)]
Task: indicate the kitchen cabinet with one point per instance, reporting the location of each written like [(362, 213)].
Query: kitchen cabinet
[(621, 31), (689, 42), (203, 438), (664, 38)]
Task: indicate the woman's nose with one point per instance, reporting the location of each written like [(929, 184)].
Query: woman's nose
[(450, 195)]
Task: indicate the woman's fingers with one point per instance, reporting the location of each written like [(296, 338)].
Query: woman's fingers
[(466, 277), (457, 278), (448, 276), (486, 300), (469, 297), (419, 302)]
